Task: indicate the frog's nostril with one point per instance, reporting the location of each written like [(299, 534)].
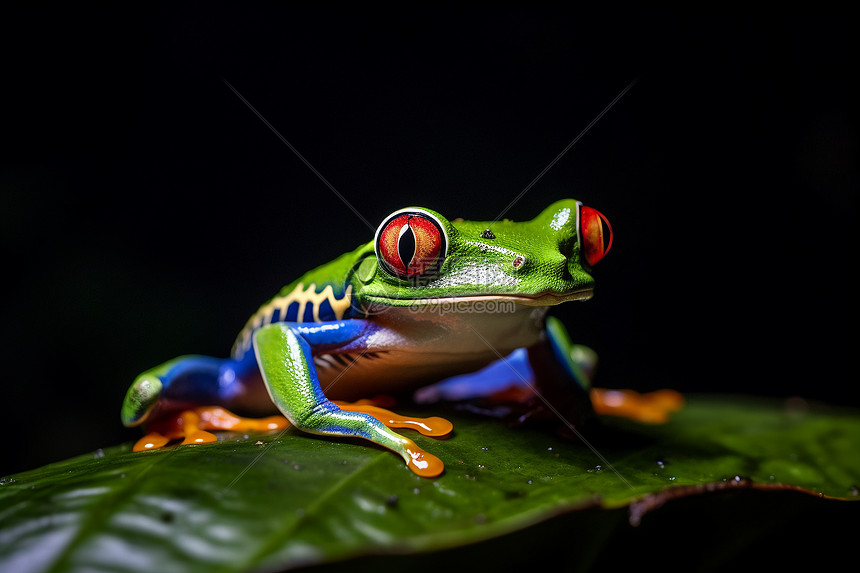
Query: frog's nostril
[(596, 235)]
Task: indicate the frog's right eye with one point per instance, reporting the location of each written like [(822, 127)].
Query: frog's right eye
[(410, 243), (596, 234)]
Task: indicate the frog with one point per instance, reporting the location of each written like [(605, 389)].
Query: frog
[(428, 305)]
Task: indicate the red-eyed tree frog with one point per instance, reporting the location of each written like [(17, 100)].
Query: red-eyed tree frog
[(427, 299)]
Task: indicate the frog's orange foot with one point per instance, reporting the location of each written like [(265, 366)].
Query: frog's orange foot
[(433, 426), (422, 463), (191, 427), (649, 407), (151, 441)]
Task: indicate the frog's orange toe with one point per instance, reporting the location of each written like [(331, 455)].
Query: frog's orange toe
[(151, 441), (649, 408), (272, 423), (199, 437), (423, 463), (669, 400), (433, 426), (190, 426), (218, 418)]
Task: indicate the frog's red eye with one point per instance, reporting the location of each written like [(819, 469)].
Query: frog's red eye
[(596, 234), (410, 243)]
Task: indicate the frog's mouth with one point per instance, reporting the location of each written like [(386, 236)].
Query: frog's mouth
[(552, 298), (547, 298)]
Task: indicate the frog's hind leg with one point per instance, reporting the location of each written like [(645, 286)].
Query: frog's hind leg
[(554, 371), (515, 377), (287, 365), (145, 392), (167, 400)]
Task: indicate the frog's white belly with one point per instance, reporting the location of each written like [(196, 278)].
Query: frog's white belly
[(417, 346)]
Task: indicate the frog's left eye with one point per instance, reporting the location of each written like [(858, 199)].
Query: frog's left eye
[(410, 243)]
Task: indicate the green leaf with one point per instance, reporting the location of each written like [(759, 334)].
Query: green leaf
[(276, 501)]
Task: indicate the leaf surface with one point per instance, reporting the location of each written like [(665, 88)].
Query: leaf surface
[(274, 501)]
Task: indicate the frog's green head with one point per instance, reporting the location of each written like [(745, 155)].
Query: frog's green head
[(423, 258)]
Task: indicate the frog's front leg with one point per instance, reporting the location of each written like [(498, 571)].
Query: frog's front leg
[(286, 362), (645, 407), (559, 359), (549, 379)]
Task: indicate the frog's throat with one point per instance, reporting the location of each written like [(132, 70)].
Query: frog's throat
[(542, 299)]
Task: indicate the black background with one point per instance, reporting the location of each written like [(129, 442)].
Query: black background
[(146, 211)]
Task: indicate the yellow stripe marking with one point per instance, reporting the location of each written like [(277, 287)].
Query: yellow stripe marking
[(299, 294)]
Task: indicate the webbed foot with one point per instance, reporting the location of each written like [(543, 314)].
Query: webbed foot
[(419, 461), (433, 426), (648, 407), (191, 427)]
